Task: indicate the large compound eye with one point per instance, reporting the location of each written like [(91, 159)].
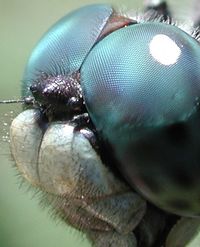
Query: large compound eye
[(141, 86), (64, 47), (145, 74)]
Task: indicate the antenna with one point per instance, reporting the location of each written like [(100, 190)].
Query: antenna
[(28, 101)]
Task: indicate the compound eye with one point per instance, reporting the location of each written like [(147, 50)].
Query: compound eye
[(142, 75), (64, 47), (142, 86)]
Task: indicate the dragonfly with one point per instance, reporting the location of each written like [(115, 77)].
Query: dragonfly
[(142, 217)]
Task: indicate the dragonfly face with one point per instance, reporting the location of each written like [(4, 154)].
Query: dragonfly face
[(107, 92)]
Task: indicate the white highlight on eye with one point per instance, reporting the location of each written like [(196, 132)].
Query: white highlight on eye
[(164, 49), (153, 2)]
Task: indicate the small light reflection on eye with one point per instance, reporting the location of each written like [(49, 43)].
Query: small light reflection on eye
[(164, 49)]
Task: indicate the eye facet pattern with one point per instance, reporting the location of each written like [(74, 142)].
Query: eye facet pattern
[(140, 85), (65, 45)]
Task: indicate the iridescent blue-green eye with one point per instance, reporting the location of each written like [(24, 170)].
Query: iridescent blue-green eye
[(141, 86), (64, 47)]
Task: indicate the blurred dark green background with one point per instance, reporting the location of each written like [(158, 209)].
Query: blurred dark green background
[(22, 221)]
